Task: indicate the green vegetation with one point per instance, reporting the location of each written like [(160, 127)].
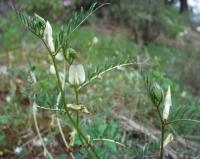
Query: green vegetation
[(118, 100)]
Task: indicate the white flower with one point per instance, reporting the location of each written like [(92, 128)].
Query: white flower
[(47, 30), (169, 139), (8, 99), (59, 56), (36, 143), (3, 70), (95, 40), (167, 104), (184, 94), (48, 36), (45, 139), (76, 74), (52, 69), (198, 29), (51, 44), (18, 150)]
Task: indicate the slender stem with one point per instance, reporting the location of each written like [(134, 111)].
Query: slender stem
[(60, 110), (162, 125), (66, 109), (160, 115), (80, 25), (178, 120), (58, 120), (96, 76), (77, 115), (77, 102), (80, 133), (38, 131), (110, 140), (192, 137), (162, 141), (63, 95), (34, 111)]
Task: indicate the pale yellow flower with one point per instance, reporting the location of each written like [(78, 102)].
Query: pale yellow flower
[(167, 104), (76, 74), (48, 37)]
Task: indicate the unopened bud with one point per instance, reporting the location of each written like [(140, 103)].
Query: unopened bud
[(156, 94), (167, 104)]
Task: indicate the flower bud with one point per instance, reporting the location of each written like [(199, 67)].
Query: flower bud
[(52, 69), (169, 139), (48, 37), (47, 30), (95, 40), (39, 18), (76, 74), (59, 56), (18, 150), (167, 104), (156, 94), (70, 55)]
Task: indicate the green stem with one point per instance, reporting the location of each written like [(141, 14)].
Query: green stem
[(77, 115), (58, 120), (110, 140), (178, 120), (77, 102), (162, 122), (107, 70), (162, 141), (160, 115), (66, 109)]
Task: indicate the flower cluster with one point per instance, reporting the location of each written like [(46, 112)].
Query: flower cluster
[(76, 71)]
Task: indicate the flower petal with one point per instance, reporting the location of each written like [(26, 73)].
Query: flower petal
[(81, 73), (52, 69), (48, 36), (47, 30), (59, 56), (76, 74), (169, 139), (167, 104)]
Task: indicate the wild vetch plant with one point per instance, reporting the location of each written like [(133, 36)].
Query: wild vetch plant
[(59, 48), (158, 99)]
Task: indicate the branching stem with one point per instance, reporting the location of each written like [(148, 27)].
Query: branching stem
[(65, 105)]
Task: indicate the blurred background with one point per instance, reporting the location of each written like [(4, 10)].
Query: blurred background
[(165, 33)]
